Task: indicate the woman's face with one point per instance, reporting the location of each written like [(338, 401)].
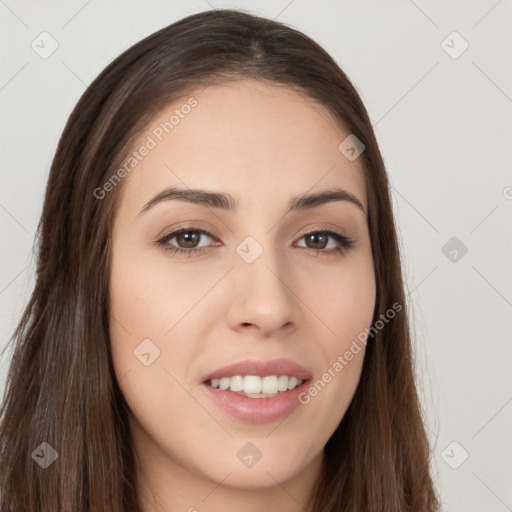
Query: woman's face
[(258, 289)]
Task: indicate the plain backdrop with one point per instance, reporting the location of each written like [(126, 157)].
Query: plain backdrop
[(436, 79)]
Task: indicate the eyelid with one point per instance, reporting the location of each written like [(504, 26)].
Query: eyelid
[(321, 229), (183, 228), (194, 227)]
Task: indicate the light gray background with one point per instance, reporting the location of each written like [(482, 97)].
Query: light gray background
[(444, 126)]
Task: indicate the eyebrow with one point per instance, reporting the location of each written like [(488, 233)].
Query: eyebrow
[(226, 202)]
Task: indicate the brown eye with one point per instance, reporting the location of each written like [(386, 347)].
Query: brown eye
[(187, 240), (319, 240)]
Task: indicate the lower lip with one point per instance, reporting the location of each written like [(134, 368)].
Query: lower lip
[(256, 410)]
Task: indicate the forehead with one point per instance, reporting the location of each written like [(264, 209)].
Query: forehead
[(241, 137)]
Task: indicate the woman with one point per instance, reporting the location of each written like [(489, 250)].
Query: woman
[(219, 317)]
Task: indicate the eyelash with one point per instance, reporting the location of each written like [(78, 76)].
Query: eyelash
[(345, 243)]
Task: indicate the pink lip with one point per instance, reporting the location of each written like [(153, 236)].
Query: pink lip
[(261, 369), (258, 410)]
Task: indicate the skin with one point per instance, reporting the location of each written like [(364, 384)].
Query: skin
[(263, 144)]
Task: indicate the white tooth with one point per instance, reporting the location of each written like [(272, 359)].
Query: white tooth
[(224, 383), (282, 383), (255, 386), (236, 383), (269, 384), (261, 395), (292, 382), (252, 384)]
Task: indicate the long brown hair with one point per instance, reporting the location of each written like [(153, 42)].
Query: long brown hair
[(61, 386)]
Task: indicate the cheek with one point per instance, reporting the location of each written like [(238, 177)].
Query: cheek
[(345, 306), (146, 303), (143, 307), (155, 310), (343, 298), (349, 308), (148, 296)]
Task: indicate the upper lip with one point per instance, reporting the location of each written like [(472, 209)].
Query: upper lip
[(261, 368)]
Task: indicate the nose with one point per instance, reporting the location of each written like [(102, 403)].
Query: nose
[(263, 297)]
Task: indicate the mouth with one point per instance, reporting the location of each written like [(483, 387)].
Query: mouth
[(256, 407), (254, 386), (258, 391)]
